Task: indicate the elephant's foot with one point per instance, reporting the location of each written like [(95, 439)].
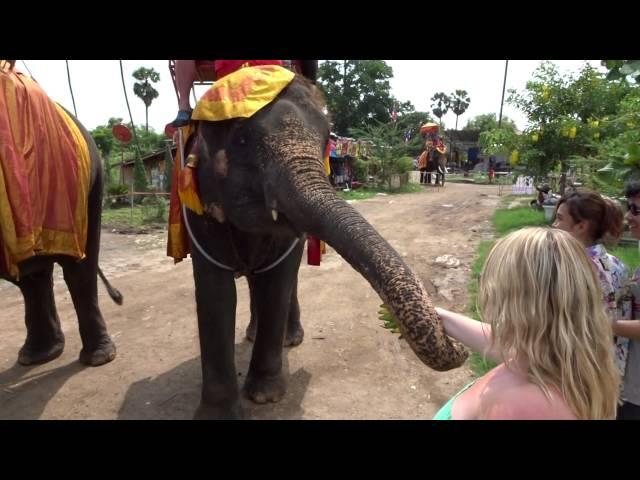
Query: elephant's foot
[(265, 388), (104, 353), (30, 355), (216, 412), (294, 335)]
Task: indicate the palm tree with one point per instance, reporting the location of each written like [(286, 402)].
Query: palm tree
[(145, 90), (459, 103), (440, 105)]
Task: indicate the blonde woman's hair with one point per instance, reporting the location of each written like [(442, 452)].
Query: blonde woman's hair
[(539, 292)]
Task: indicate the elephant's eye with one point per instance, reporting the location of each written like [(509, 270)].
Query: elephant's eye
[(242, 141)]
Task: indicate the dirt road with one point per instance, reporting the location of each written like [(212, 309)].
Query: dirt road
[(348, 366)]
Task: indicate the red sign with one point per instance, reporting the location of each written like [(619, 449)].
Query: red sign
[(122, 133), (170, 130)]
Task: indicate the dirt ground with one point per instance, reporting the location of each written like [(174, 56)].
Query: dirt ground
[(348, 366)]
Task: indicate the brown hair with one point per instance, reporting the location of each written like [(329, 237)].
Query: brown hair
[(606, 220)]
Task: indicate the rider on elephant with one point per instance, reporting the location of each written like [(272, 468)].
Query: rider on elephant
[(434, 150)]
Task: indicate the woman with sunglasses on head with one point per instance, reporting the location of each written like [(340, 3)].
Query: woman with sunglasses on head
[(630, 329), (544, 321)]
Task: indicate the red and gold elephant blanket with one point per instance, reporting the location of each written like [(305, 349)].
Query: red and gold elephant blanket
[(44, 175)]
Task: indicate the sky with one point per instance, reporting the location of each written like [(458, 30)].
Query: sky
[(97, 86)]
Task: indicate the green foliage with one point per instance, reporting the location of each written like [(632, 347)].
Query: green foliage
[(389, 152), (154, 209), (117, 189), (361, 170), (508, 220), (459, 103), (498, 140), (622, 69), (440, 105), (387, 317), (488, 121), (568, 117), (144, 90), (358, 93), (630, 256), (139, 176)]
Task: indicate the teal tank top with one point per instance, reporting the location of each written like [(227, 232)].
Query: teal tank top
[(445, 412)]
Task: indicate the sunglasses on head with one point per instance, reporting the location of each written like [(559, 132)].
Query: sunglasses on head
[(633, 208)]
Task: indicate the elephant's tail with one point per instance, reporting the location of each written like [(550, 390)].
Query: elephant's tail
[(114, 293)]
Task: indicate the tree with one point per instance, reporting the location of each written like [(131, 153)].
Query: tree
[(148, 140), (622, 69), (145, 90), (440, 105), (566, 114), (409, 127), (389, 152), (488, 121), (358, 93), (459, 102)]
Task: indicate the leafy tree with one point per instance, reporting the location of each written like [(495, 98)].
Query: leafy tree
[(358, 93), (488, 121), (622, 69), (144, 90), (566, 114), (440, 105), (459, 102), (389, 152)]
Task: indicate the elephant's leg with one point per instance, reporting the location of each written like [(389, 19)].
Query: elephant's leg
[(294, 331), (216, 308), (271, 293), (82, 280), (45, 340)]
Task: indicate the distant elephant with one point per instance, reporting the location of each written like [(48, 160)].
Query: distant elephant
[(45, 340), (438, 165), (263, 186)]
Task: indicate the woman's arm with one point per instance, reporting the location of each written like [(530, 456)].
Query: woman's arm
[(476, 335), (625, 328)]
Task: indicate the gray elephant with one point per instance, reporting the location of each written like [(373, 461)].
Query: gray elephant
[(45, 340), (263, 186)]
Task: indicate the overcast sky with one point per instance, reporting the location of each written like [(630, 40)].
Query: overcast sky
[(97, 86)]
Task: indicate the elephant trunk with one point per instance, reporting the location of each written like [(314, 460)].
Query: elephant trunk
[(306, 197)]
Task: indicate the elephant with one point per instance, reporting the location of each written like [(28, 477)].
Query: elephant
[(263, 186), (45, 340)]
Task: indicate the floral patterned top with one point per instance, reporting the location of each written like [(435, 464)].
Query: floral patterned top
[(614, 280)]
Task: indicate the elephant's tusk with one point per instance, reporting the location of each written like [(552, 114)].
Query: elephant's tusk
[(274, 215)]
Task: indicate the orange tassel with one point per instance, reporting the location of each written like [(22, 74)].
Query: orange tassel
[(327, 164), (188, 187)]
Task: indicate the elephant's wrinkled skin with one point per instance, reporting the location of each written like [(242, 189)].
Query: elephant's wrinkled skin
[(262, 184)]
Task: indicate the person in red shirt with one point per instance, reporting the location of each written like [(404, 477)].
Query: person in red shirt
[(186, 74)]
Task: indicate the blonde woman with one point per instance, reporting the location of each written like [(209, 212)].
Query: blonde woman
[(546, 325)]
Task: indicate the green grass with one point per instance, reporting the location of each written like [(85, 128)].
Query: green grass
[(122, 216), (140, 216), (508, 220), (368, 192), (629, 255)]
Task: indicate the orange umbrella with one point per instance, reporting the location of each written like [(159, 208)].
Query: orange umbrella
[(429, 128)]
